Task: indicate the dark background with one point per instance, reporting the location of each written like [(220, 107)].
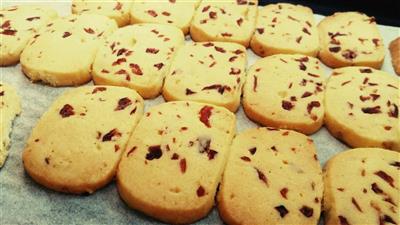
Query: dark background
[(385, 11)]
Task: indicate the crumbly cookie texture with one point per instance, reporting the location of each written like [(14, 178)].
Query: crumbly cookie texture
[(174, 160), (114, 9), (10, 107), (52, 56), (18, 25), (227, 21), (178, 13), (350, 39), (138, 57), (362, 107), (367, 192), (210, 72), (394, 49), (286, 91), (285, 28), (77, 144), (272, 177)]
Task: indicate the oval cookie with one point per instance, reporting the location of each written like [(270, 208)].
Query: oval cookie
[(174, 160), (362, 107), (227, 21), (272, 177), (77, 144), (210, 72), (286, 91), (137, 57), (367, 192), (51, 57), (18, 25), (285, 28), (350, 39)]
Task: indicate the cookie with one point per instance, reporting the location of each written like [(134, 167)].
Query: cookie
[(367, 192), (227, 21), (10, 107), (18, 25), (394, 49), (174, 160), (52, 57), (286, 91), (210, 72), (177, 13), (114, 9), (362, 107), (272, 177), (137, 57), (77, 144), (350, 39), (285, 29)]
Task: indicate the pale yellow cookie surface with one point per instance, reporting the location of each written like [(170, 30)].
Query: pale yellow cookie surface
[(367, 192), (285, 28), (286, 91), (230, 21), (63, 53), (138, 57), (210, 72), (10, 107), (174, 160), (178, 13), (362, 107), (18, 25), (350, 39), (77, 144), (272, 177), (114, 9)]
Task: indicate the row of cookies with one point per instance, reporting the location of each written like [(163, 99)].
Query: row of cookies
[(339, 40), (169, 162)]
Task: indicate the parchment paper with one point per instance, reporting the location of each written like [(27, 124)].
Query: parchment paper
[(22, 201)]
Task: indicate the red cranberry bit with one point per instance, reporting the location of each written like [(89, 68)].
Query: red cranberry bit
[(6, 24), (395, 112), (175, 156), (123, 103), (119, 61), (154, 152), (305, 30), (239, 22), (111, 134), (189, 92), (66, 111), (226, 34), (286, 105), (245, 158), (205, 114), (396, 164), (343, 220), (349, 54), (66, 34), (311, 105), (136, 69), (307, 211), (213, 15), (306, 94), (282, 210), (367, 70), (182, 164), (335, 49), (89, 30), (98, 89), (262, 176), (260, 30), (208, 44), (238, 52), (253, 150), (284, 192), (8, 32), (152, 13), (131, 151), (298, 39), (211, 154), (376, 42), (371, 110), (386, 177), (386, 219), (219, 49), (118, 6), (166, 13), (152, 50), (33, 18), (159, 66), (355, 203), (376, 188), (206, 8), (255, 84), (200, 191)]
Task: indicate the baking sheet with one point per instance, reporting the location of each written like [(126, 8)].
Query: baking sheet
[(22, 201)]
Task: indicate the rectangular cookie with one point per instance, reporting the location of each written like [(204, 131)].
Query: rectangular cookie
[(137, 57), (174, 160), (286, 29), (77, 144), (272, 177), (362, 187), (210, 72), (225, 21)]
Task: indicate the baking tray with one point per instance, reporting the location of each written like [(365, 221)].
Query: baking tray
[(22, 201)]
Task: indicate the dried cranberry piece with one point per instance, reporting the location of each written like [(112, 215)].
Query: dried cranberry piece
[(8, 32), (305, 30), (131, 151), (154, 152), (152, 50), (206, 8), (367, 70), (311, 105), (234, 71), (97, 89), (284, 192), (395, 112), (372, 110), (6, 24), (253, 150), (189, 92), (239, 22), (136, 69), (152, 13), (282, 210), (260, 30), (386, 219), (226, 34), (306, 94), (33, 18), (355, 203), (376, 188), (386, 177), (349, 54), (245, 158), (182, 164), (175, 156), (205, 114), (211, 154), (208, 44), (307, 211), (219, 49), (66, 111), (395, 163), (66, 34), (159, 65), (89, 30), (335, 49), (262, 176), (119, 61), (123, 103), (213, 15), (200, 191), (343, 220), (255, 84), (111, 134), (287, 105)]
